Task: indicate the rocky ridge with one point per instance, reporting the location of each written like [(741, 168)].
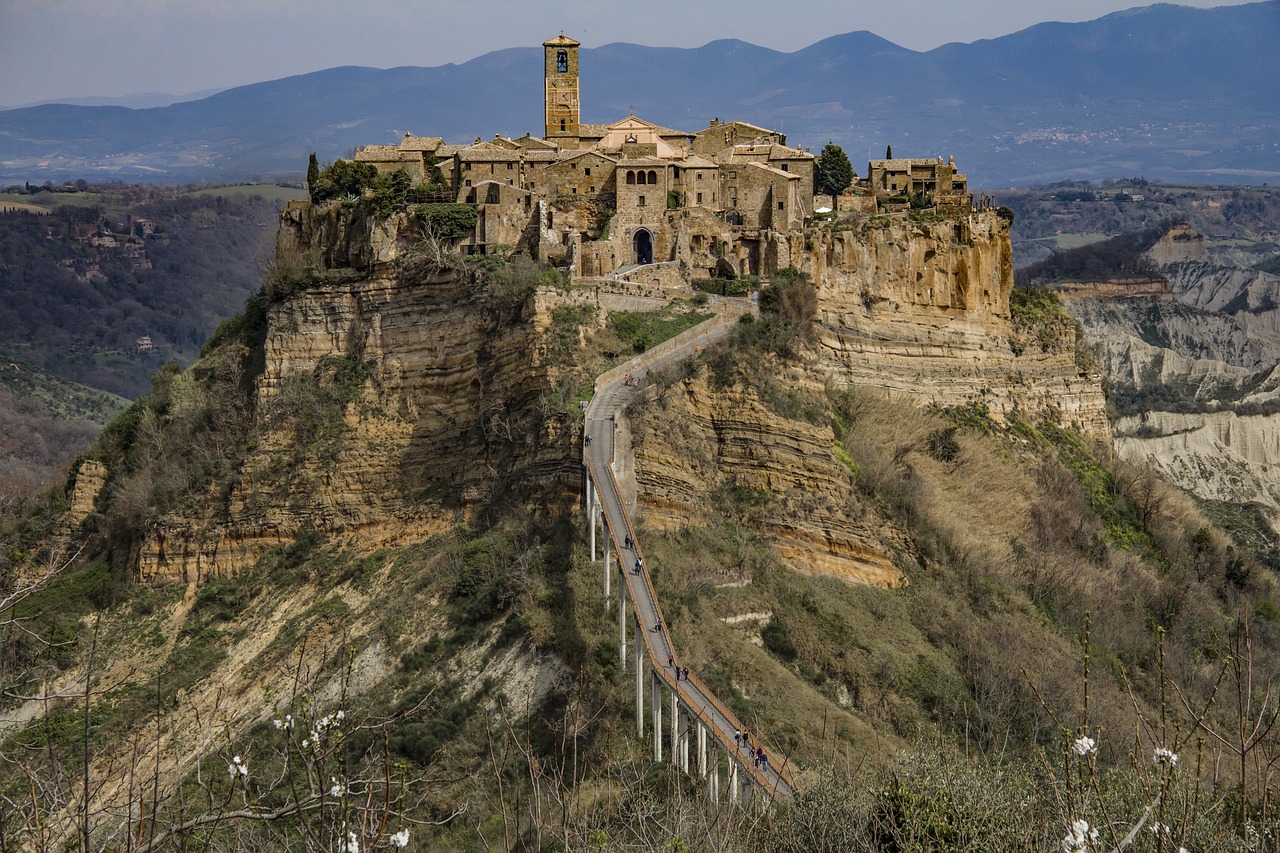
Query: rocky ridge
[(444, 395)]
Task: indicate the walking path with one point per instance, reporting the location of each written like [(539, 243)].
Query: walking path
[(611, 394)]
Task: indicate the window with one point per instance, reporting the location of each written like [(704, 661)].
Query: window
[(640, 178), (631, 177), (510, 166), (562, 61), (653, 177), (640, 201), (562, 124), (587, 171), (784, 168), (699, 176), (780, 206), (467, 167), (468, 182), (699, 198), (593, 189)]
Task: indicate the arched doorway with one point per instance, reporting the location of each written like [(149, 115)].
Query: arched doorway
[(642, 240)]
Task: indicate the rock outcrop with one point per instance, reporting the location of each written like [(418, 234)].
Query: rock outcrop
[(698, 445), (921, 309)]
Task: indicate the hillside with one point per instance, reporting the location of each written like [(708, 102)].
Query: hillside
[(1162, 91), (334, 583), (112, 266)]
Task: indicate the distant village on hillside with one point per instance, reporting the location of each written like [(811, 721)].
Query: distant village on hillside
[(730, 199)]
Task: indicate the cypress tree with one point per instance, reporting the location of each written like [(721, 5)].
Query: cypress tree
[(313, 175)]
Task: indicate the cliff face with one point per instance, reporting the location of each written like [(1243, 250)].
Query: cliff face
[(390, 407), (921, 309), (699, 445)]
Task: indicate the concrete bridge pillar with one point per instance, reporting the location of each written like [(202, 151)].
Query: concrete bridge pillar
[(657, 716), (622, 624), (686, 720), (675, 727), (701, 738), (713, 780), (733, 779), (639, 647), (592, 505), (608, 568)]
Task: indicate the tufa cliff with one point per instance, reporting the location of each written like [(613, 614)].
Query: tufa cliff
[(921, 309)]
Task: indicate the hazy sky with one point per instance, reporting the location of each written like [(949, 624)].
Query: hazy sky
[(79, 48)]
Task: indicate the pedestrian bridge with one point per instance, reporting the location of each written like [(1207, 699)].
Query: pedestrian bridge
[(698, 731)]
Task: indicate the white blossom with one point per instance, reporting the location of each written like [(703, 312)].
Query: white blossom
[(238, 768), (350, 845), (335, 790), (401, 839), (1084, 745), (1165, 756), (1080, 837)]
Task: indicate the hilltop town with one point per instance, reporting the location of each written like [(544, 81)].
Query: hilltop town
[(728, 200)]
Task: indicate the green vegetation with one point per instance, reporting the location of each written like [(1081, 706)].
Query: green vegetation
[(1039, 319), (833, 173), (642, 330), (448, 222), (343, 179)]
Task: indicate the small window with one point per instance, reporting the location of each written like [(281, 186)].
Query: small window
[(562, 124), (784, 168), (467, 167), (490, 168), (699, 176), (780, 206), (593, 189), (640, 178), (510, 166), (587, 171), (468, 182), (562, 61), (631, 177), (640, 201), (653, 177), (699, 198)]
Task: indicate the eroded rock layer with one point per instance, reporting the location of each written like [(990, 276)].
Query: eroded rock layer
[(921, 309)]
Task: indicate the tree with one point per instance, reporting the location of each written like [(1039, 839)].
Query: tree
[(835, 173), (313, 175)]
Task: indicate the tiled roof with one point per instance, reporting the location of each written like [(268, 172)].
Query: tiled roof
[(377, 153), (771, 170), (420, 143), (693, 161)]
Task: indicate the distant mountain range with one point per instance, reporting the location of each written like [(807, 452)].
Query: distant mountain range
[(1162, 91)]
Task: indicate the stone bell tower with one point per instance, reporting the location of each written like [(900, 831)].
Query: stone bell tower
[(561, 75)]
